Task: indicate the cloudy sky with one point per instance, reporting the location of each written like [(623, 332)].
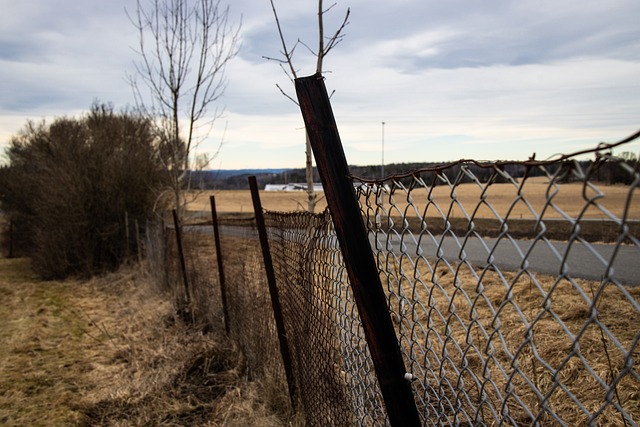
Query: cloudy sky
[(451, 79)]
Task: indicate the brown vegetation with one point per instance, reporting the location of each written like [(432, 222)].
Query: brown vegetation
[(74, 189), (110, 351), (515, 331), (570, 198), (239, 201)]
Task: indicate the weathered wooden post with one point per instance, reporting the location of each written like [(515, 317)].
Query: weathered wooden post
[(223, 285), (356, 251), (273, 290)]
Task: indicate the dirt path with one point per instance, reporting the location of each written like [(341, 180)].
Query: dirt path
[(109, 352)]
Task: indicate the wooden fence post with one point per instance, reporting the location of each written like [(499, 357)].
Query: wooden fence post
[(223, 285), (356, 251), (273, 290)]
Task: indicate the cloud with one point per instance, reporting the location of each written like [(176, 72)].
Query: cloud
[(462, 34), (451, 79)]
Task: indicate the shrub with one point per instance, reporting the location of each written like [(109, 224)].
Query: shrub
[(69, 185)]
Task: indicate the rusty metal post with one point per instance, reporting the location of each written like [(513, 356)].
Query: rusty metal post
[(356, 251), (223, 285), (136, 226), (273, 290), (11, 237), (127, 243), (183, 265)]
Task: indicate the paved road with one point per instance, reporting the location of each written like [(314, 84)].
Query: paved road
[(587, 261)]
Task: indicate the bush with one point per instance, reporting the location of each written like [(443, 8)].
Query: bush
[(69, 186)]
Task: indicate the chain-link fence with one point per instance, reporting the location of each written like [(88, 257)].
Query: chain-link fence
[(251, 317), (332, 366), (510, 308), (513, 289)]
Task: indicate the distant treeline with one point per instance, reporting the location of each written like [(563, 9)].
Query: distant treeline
[(610, 172)]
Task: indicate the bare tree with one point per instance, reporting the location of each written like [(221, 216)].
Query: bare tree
[(184, 47), (325, 44)]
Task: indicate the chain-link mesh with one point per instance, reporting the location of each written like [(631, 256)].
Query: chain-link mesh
[(200, 300), (332, 365), (251, 317), (509, 307), (172, 269)]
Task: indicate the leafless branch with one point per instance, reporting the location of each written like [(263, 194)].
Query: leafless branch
[(184, 48), (286, 52), (323, 50), (286, 94)]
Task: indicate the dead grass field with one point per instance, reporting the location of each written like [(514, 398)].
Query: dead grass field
[(506, 329), (488, 208), (504, 198), (239, 201), (570, 198), (110, 352)]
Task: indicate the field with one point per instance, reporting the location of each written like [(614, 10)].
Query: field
[(110, 351), (569, 197), (502, 339), (514, 332), (239, 201), (488, 208)]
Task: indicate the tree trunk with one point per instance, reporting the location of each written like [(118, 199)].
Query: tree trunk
[(311, 195)]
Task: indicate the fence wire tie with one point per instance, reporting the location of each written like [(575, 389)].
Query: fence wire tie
[(410, 377)]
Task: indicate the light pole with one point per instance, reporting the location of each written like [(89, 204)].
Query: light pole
[(378, 218), (382, 168)]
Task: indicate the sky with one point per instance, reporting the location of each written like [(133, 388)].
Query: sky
[(487, 80)]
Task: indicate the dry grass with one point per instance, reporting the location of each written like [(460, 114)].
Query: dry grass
[(473, 332), (40, 346), (110, 352), (488, 209), (569, 197), (235, 201)]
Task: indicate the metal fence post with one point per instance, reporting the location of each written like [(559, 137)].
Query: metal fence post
[(223, 286), (356, 251), (183, 265), (11, 237), (136, 226), (273, 290), (127, 243)]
